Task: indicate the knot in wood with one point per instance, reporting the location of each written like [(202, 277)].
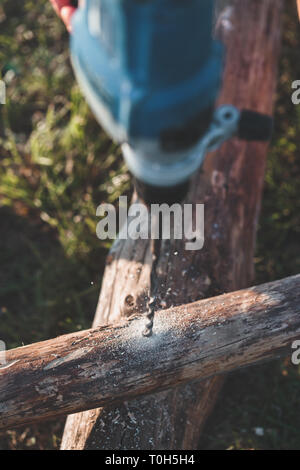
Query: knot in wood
[(129, 301)]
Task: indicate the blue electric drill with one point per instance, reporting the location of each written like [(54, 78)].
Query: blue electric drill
[(151, 72)]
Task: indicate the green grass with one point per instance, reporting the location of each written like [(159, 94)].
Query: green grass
[(57, 166)]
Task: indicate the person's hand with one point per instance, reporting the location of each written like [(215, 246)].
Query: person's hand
[(65, 10)]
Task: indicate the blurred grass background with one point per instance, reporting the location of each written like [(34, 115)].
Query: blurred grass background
[(57, 166)]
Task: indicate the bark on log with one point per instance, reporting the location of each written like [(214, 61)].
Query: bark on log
[(230, 186), (105, 366)]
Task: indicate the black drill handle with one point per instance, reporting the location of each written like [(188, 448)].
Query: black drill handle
[(255, 126)]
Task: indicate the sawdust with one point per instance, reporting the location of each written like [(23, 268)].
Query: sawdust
[(166, 328)]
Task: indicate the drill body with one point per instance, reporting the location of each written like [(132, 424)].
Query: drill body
[(151, 73)]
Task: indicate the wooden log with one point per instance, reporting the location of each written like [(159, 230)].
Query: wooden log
[(230, 185), (109, 365)]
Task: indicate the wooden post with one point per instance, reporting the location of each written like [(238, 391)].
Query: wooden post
[(230, 186), (108, 365)]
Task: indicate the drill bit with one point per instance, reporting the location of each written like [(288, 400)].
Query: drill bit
[(155, 248), (153, 294)]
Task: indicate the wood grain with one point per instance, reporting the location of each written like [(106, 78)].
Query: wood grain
[(109, 365)]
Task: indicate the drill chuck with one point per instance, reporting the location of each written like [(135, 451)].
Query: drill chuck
[(160, 194)]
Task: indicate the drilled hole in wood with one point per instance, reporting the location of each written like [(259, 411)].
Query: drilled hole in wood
[(129, 300)]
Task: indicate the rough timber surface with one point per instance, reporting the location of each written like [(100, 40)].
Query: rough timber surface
[(230, 185)]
